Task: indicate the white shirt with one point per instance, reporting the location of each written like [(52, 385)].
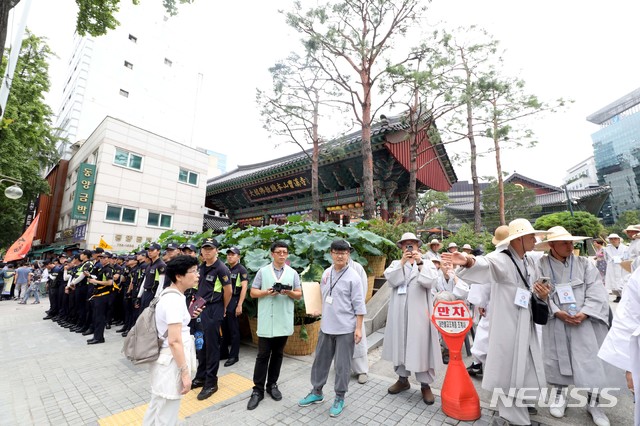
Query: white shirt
[(171, 309)]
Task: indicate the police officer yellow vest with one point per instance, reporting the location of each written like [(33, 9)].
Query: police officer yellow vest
[(275, 313)]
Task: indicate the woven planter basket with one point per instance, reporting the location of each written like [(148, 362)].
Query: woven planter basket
[(296, 346), (370, 280), (376, 264), (253, 324)]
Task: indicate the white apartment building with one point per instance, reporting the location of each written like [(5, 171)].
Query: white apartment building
[(582, 175), (139, 72), (144, 185)]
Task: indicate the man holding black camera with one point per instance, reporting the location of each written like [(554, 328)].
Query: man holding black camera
[(275, 286)]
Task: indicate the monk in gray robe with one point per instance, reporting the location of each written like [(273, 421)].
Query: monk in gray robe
[(410, 339), (579, 313), (513, 359)]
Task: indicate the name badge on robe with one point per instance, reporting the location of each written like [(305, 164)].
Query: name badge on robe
[(522, 298), (402, 289), (617, 259), (329, 300), (565, 294)]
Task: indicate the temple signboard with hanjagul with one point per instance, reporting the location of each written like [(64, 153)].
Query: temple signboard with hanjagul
[(279, 187)]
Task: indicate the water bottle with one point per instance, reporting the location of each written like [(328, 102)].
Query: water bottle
[(198, 337), (573, 310)]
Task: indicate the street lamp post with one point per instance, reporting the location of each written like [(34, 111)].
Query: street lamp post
[(12, 192)]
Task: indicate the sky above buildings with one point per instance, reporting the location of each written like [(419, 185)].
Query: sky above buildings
[(575, 50)]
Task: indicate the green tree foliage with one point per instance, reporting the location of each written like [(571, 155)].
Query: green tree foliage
[(351, 40), (27, 141), (581, 224), (626, 218), (430, 208), (466, 235), (392, 230), (518, 202)]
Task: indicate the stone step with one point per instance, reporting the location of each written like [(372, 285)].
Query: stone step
[(375, 339)]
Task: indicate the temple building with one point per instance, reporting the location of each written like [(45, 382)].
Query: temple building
[(265, 193)]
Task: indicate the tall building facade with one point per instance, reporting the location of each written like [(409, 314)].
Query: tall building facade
[(616, 149), (582, 175), (138, 185), (139, 72)]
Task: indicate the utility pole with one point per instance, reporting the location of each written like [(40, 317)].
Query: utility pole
[(569, 200)]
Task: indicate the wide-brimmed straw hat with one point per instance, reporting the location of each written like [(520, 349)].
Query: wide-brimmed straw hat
[(519, 228), (435, 242), (408, 236), (613, 236), (467, 247), (634, 228), (500, 234), (452, 245), (557, 233)]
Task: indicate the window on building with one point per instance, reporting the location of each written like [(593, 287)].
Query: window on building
[(160, 220), (124, 93), (128, 64), (127, 159), (187, 176), (121, 214), (133, 38), (168, 62)]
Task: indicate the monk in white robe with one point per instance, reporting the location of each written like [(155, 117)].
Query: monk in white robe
[(579, 315), (513, 358), (615, 277)]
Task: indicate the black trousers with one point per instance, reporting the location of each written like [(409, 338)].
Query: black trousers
[(209, 356), (100, 307), (268, 361), (53, 300), (80, 301), (230, 331), (128, 312), (145, 300), (63, 307)]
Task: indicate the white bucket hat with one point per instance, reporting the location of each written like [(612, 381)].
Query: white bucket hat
[(409, 236), (519, 228), (452, 245), (435, 242), (557, 233), (467, 247), (500, 234), (613, 236)]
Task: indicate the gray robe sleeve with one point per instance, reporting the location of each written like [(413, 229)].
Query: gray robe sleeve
[(596, 298)]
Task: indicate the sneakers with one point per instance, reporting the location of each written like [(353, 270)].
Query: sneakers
[(558, 405), (363, 378), (598, 416), (337, 407), (312, 398)]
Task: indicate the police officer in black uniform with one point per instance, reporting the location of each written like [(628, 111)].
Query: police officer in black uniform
[(79, 282), (154, 276), (231, 327), (126, 284), (103, 286), (172, 251), (215, 287)]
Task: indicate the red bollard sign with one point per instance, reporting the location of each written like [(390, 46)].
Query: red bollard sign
[(459, 397)]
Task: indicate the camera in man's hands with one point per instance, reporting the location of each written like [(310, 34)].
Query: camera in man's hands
[(410, 248), (278, 287)]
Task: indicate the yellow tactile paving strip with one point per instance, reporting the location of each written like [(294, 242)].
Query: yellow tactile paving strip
[(229, 386)]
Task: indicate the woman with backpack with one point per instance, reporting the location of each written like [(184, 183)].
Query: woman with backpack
[(174, 369)]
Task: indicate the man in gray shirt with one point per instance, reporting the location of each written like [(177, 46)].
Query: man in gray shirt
[(23, 278), (343, 311)]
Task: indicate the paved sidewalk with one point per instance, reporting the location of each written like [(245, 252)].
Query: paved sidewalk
[(52, 377)]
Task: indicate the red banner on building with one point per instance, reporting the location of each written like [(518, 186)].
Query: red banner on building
[(21, 247)]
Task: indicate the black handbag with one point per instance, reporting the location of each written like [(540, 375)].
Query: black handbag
[(539, 308)]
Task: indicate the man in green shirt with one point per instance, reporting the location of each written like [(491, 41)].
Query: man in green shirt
[(275, 320)]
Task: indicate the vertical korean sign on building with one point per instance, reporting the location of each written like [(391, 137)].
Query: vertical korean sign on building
[(84, 192)]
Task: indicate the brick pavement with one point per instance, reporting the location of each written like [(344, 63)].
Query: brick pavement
[(51, 376)]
